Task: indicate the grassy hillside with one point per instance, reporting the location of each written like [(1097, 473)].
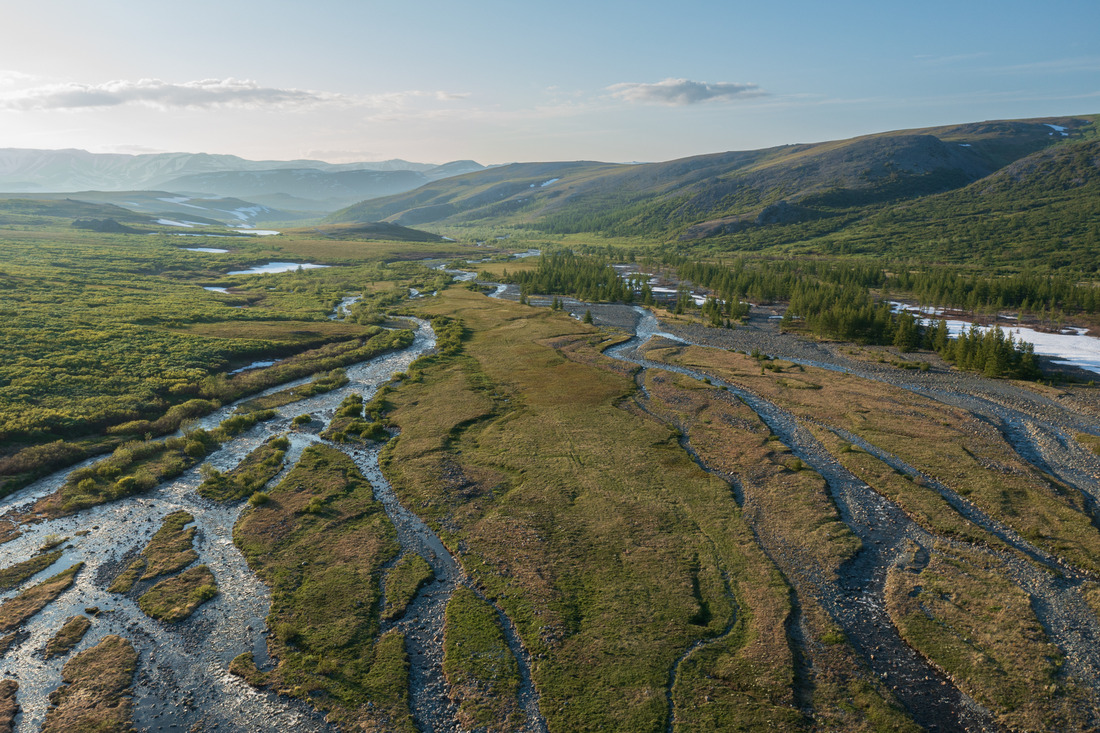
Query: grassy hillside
[(370, 231), (1039, 212), (815, 188)]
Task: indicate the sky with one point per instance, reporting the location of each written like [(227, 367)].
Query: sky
[(498, 82)]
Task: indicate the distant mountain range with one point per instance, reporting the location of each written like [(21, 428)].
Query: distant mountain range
[(300, 185), (865, 194)]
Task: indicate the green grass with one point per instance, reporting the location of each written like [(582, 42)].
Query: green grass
[(403, 581), (979, 627), (109, 334), (170, 548), (319, 542), (244, 666), (744, 679), (483, 674), (139, 466), (248, 477), (169, 551), (319, 385), (177, 598)]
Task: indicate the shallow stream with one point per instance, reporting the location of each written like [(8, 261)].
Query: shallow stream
[(182, 679)]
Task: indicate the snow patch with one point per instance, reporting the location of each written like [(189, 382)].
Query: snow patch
[(1057, 128), (544, 184), (170, 223), (1070, 348)]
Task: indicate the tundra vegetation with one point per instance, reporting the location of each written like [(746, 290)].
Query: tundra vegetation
[(169, 551), (16, 611), (249, 476), (320, 541), (97, 690), (655, 546), (174, 599), (403, 581), (68, 636)]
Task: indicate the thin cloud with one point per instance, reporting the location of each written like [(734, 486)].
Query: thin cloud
[(9, 77), (949, 60), (1066, 65), (205, 93), (682, 92)]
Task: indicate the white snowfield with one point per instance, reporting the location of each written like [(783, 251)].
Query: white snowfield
[(1072, 347)]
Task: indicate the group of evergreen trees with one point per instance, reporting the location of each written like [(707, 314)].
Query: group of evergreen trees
[(991, 352), (1030, 292), (851, 314), (564, 273), (829, 299)]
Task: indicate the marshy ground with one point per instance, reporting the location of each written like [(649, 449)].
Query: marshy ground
[(630, 525)]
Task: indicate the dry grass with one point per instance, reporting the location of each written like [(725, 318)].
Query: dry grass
[(783, 498), (600, 538), (948, 444), (68, 636), (96, 693), (32, 600), (970, 621), (9, 705), (922, 504), (16, 574)]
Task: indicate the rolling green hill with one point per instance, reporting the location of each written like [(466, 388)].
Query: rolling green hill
[(925, 192)]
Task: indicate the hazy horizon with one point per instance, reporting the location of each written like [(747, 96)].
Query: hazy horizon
[(496, 83)]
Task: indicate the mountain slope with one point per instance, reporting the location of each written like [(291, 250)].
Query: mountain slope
[(725, 193), (29, 170), (313, 189), (232, 211), (1042, 210)]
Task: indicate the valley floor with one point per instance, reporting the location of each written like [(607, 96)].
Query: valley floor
[(633, 525)]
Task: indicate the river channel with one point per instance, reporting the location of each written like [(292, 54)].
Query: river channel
[(182, 678)]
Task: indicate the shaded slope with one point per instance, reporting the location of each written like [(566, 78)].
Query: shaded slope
[(1041, 210), (316, 189), (380, 231)]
